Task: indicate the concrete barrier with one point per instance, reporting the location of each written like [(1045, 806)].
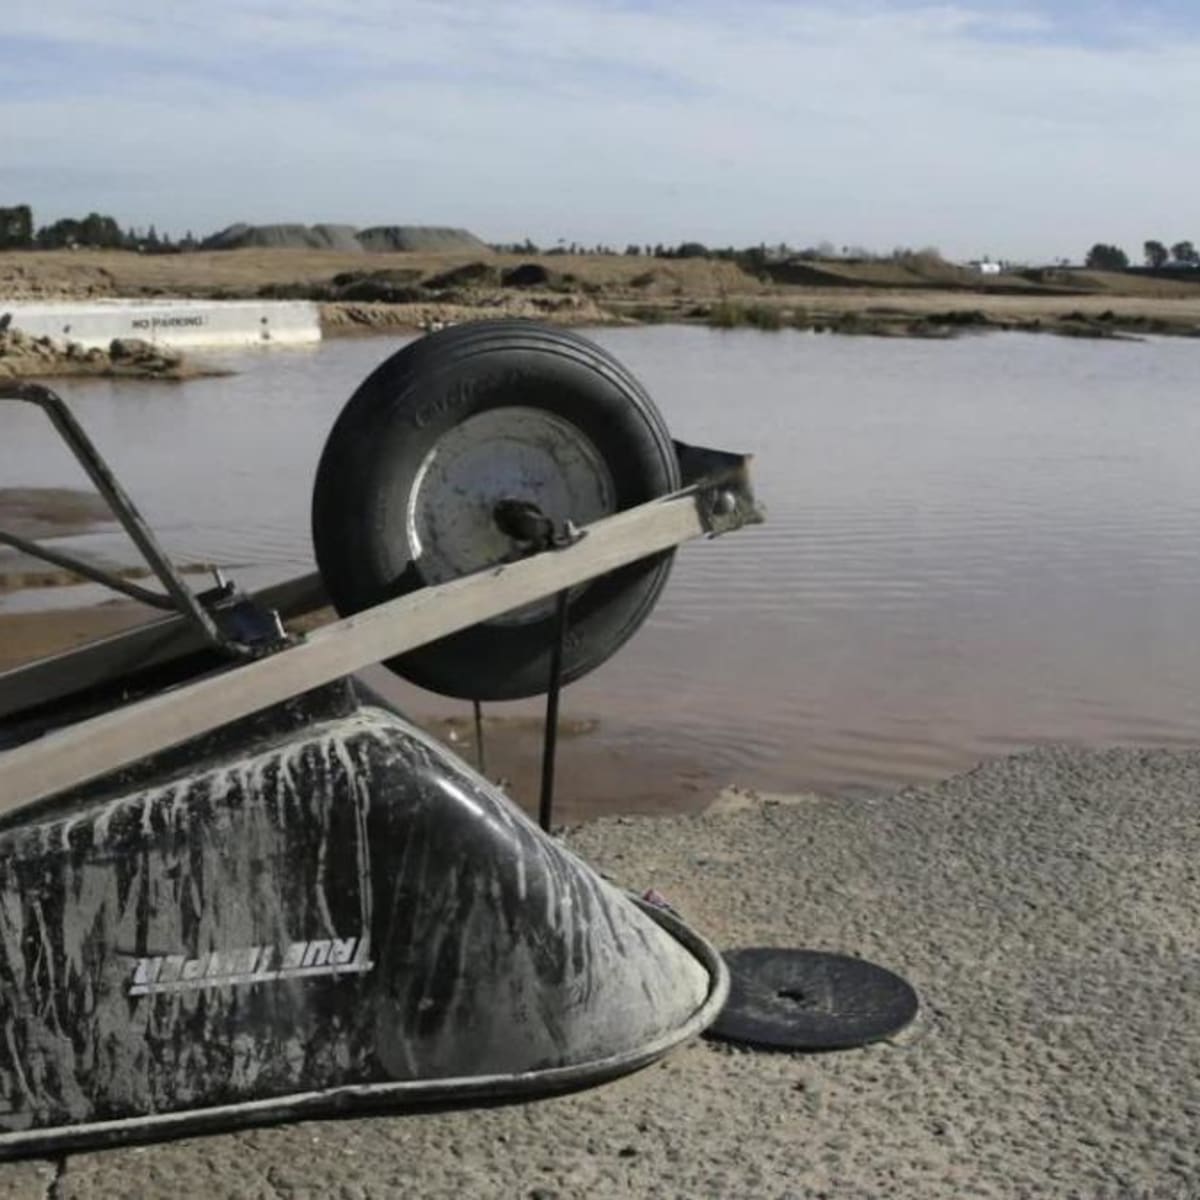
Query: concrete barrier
[(182, 323)]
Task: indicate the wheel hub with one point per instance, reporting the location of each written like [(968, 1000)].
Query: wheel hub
[(501, 455)]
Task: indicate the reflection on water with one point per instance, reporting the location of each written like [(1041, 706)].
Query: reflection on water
[(973, 546)]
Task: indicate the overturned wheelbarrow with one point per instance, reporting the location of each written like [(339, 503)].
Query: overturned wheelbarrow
[(236, 887)]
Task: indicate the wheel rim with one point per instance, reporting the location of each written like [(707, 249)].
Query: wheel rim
[(514, 452)]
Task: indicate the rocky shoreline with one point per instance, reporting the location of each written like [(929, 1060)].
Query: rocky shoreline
[(24, 356)]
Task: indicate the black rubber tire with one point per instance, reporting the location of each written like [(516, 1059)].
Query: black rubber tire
[(388, 427)]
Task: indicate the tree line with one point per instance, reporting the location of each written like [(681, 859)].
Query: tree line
[(1105, 257), (96, 231)]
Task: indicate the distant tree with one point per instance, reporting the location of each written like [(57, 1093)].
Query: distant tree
[(1156, 254), (1185, 254), (633, 250), (16, 227), (660, 250), (691, 250), (100, 232), (754, 258), (95, 230), (59, 235), (1102, 257)]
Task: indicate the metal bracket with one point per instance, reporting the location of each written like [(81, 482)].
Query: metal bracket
[(721, 482)]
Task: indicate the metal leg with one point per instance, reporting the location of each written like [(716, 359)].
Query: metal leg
[(550, 736), (480, 760)]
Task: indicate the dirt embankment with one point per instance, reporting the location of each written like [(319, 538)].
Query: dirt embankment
[(364, 291)]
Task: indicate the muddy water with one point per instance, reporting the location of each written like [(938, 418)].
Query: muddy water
[(973, 546)]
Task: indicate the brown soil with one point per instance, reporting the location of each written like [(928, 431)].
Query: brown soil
[(362, 293), (28, 636), (238, 274)]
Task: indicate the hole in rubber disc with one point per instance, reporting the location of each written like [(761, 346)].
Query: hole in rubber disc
[(796, 995)]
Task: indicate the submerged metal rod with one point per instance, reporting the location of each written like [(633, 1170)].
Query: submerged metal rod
[(550, 735), (87, 571), (480, 760)]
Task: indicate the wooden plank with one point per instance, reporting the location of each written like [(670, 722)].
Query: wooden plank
[(103, 744), (149, 645)]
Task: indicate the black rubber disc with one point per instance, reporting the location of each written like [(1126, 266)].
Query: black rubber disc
[(808, 1000)]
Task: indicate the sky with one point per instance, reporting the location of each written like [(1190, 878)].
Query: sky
[(1017, 130)]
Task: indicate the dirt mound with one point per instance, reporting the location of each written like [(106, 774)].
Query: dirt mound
[(472, 274), (285, 237), (390, 287), (529, 274), (904, 271), (343, 238), (424, 238), (1126, 283), (798, 273), (659, 281)]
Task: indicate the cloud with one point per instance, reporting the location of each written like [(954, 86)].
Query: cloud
[(976, 127)]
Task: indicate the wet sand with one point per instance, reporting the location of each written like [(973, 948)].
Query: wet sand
[(1042, 906), (27, 636), (47, 512)]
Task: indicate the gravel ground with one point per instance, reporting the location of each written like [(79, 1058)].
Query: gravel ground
[(1045, 908)]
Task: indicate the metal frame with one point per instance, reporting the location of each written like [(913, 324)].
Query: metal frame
[(100, 745), (716, 498)]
